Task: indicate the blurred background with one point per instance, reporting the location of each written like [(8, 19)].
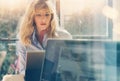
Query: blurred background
[(84, 19)]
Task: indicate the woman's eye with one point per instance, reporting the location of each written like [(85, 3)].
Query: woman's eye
[(47, 15)]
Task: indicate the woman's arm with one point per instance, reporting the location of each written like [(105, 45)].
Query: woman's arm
[(21, 53)]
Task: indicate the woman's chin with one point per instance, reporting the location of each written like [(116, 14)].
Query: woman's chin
[(42, 29)]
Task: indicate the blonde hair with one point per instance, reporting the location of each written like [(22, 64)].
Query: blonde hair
[(26, 26)]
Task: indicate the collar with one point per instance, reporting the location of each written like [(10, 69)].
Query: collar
[(34, 40)]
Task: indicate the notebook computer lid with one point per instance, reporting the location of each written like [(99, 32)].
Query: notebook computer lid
[(34, 65)]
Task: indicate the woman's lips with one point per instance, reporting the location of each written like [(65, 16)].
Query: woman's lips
[(42, 24)]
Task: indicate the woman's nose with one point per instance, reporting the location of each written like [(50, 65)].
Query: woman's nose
[(43, 18)]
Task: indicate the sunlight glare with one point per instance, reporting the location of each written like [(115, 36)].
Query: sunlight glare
[(11, 4), (110, 12), (77, 6)]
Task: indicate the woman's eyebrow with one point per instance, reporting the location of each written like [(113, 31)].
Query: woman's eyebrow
[(47, 12)]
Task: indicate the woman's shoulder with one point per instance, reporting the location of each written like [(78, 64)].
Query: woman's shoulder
[(62, 33), (19, 44)]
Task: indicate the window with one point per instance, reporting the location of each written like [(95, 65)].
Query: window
[(86, 18)]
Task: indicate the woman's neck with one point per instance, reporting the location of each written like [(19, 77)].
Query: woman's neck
[(41, 33)]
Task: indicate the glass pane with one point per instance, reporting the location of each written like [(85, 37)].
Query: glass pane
[(84, 17), (91, 61), (81, 60)]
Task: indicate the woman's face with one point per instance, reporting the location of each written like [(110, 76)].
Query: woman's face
[(42, 19)]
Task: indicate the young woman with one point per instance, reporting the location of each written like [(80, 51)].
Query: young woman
[(38, 24)]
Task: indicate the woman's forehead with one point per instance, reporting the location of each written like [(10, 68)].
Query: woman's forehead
[(42, 11)]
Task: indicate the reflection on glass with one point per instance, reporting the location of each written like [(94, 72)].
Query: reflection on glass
[(78, 64), (85, 61)]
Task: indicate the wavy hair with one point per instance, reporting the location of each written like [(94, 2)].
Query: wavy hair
[(27, 24)]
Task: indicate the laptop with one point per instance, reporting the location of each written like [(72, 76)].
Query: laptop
[(34, 65), (80, 60)]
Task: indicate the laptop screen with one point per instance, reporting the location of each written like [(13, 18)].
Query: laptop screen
[(80, 60), (34, 65)]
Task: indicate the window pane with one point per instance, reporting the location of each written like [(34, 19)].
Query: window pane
[(84, 17)]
